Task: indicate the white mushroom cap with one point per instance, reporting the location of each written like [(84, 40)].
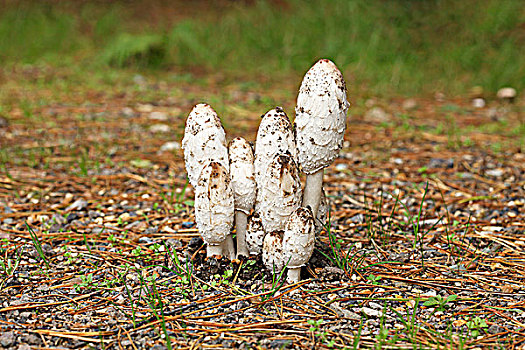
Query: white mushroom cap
[(214, 204), (255, 234), (320, 116), (272, 252), (281, 193), (299, 238), (506, 93), (274, 136), (204, 141), (242, 174)]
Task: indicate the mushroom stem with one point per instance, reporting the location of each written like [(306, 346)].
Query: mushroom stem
[(213, 250), (241, 222), (312, 190), (294, 275), (228, 249)]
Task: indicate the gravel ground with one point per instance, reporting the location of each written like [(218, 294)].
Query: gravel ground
[(426, 244)]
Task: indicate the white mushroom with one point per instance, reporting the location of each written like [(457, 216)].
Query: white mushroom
[(214, 206), (274, 136), (244, 187), (255, 234), (204, 141), (320, 118), (272, 252), (507, 94), (281, 193), (298, 241)]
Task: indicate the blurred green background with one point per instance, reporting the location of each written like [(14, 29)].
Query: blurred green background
[(396, 47)]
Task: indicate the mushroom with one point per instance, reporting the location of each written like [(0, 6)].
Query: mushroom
[(244, 188), (281, 193), (204, 141), (298, 241), (274, 136), (255, 234), (320, 118), (507, 94), (214, 206), (272, 252)]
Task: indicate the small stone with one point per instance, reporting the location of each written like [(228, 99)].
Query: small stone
[(507, 94), (370, 103), (341, 167), (494, 172), (145, 108), (371, 312), (139, 79), (7, 339), (409, 104), (24, 347), (159, 128), (377, 115), (160, 116), (439, 96), (127, 112), (478, 103), (170, 146), (79, 204), (3, 122)]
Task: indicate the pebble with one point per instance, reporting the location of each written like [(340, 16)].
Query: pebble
[(145, 108), (128, 112), (159, 128), (160, 116), (7, 339), (377, 115), (478, 103), (170, 146), (371, 312), (409, 104), (495, 172), (3, 122), (79, 204)]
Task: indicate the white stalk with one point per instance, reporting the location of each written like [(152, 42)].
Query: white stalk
[(213, 250), (312, 190), (294, 275), (228, 249), (241, 222)]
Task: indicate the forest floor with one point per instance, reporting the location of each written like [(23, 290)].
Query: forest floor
[(425, 246)]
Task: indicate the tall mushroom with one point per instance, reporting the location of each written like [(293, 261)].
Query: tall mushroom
[(320, 118), (298, 241), (280, 193), (205, 141), (274, 136), (244, 188), (214, 206)]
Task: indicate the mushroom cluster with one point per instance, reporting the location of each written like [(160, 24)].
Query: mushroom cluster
[(260, 192)]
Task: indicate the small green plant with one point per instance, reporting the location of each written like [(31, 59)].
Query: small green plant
[(374, 279), (37, 244), (86, 282), (439, 303), (476, 325), (9, 266), (318, 334)]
